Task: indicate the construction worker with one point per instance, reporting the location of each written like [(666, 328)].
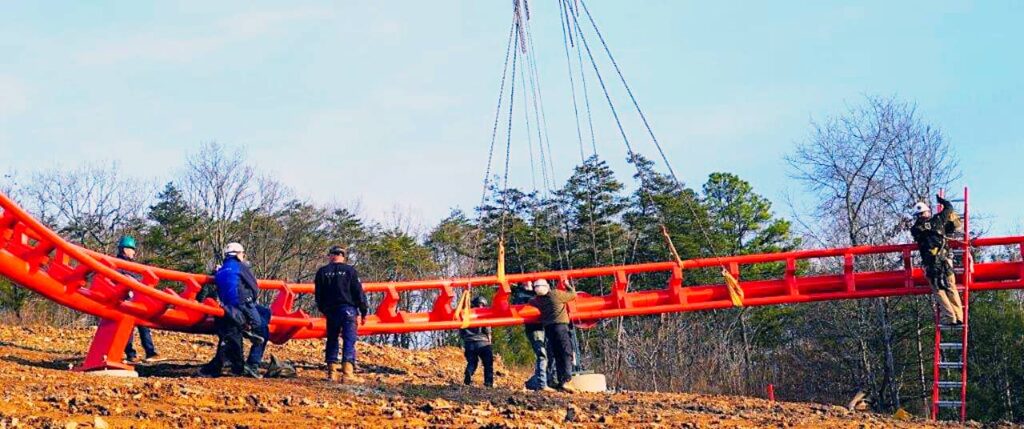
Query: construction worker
[(126, 249), (522, 294), (476, 343), (930, 234), (237, 291), (340, 297), (554, 315)]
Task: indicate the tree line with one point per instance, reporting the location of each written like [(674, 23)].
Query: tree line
[(859, 172)]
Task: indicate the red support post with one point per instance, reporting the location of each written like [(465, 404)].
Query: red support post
[(790, 277), (848, 272), (107, 348)]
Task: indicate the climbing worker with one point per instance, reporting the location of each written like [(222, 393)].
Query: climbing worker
[(126, 249), (522, 294), (476, 343), (243, 317), (554, 315), (930, 234), (340, 297)]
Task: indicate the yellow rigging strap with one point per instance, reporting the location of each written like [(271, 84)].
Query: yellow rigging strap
[(501, 261), (735, 291), (731, 283), (463, 310)]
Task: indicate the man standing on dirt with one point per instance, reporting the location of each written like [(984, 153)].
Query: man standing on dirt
[(930, 234), (522, 294), (476, 342), (554, 315), (340, 297), (237, 291), (126, 249)]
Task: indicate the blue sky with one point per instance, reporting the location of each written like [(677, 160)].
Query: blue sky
[(391, 103)]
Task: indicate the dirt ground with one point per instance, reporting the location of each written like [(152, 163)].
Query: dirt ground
[(402, 389)]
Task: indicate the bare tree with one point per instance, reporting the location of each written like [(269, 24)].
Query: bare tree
[(221, 186), (90, 204), (9, 184), (864, 169)]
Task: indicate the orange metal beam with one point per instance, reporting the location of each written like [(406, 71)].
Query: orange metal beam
[(37, 258)]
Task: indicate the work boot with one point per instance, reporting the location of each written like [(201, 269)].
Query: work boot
[(349, 373), (205, 372), (567, 387), (333, 372), (154, 359), (547, 389)]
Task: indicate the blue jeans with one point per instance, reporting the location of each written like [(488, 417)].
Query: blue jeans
[(230, 347), (261, 328), (147, 344), (344, 321), (540, 368)]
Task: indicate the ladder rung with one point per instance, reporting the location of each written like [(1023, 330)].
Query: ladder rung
[(951, 365), (953, 327), (951, 346), (950, 384), (950, 404)]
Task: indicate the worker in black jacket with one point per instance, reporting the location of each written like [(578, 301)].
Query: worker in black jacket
[(477, 345), (340, 297), (930, 234)]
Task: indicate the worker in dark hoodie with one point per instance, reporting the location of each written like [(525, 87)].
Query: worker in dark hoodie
[(340, 297), (477, 344)]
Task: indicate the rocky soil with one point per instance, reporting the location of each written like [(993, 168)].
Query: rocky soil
[(402, 389)]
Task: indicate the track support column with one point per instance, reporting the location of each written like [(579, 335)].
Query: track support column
[(107, 349)]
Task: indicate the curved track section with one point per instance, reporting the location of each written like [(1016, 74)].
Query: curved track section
[(35, 257)]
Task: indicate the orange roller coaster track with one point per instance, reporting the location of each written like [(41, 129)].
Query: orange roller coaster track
[(37, 258)]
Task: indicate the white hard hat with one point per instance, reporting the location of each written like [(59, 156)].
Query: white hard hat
[(920, 208), (233, 249), (541, 287)]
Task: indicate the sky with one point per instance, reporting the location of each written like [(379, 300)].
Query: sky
[(391, 104)]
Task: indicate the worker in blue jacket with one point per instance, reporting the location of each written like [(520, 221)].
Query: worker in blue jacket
[(243, 317)]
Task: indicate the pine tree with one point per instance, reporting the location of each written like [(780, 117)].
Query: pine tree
[(592, 204), (172, 240)]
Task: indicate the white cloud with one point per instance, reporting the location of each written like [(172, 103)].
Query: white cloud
[(13, 96), (161, 47)]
